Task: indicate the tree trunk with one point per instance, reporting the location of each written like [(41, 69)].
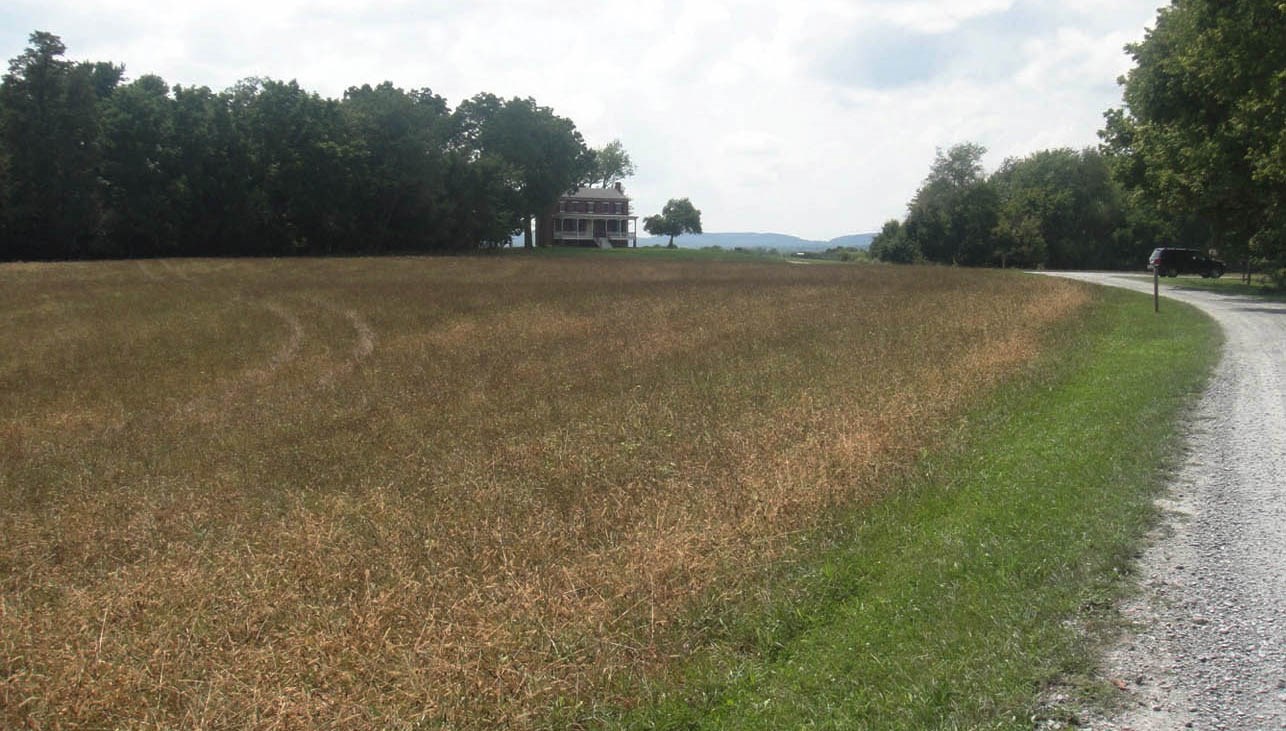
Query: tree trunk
[(526, 233)]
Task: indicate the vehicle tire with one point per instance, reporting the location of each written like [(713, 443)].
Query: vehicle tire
[(1216, 272)]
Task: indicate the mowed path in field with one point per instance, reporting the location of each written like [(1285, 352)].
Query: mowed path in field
[(164, 270), (1210, 645), (302, 493)]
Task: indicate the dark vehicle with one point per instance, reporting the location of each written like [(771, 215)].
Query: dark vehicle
[(1173, 262)]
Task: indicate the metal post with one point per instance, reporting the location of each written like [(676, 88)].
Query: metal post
[(1156, 289)]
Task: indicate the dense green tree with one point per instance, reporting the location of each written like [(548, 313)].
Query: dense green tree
[(300, 159), (480, 202), (214, 198), (676, 218), (400, 169), (1018, 238), (1203, 130), (1060, 208), (542, 155), (953, 214), (93, 167), (138, 174), (612, 164), (49, 125), (891, 244)]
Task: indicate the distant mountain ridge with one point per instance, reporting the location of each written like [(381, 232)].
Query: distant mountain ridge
[(781, 242)]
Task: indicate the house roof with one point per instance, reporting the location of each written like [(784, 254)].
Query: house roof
[(599, 194)]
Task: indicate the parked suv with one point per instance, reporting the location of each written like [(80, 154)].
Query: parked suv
[(1173, 262)]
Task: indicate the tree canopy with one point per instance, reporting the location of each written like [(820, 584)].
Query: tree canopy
[(1203, 129), (676, 218), (1196, 157), (952, 215), (92, 165), (611, 165), (1059, 208), (51, 150)]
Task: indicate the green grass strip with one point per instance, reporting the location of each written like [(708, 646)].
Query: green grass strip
[(1258, 287), (957, 602)]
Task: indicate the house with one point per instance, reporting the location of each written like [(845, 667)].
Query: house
[(590, 217)]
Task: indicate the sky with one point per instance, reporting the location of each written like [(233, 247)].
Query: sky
[(816, 118)]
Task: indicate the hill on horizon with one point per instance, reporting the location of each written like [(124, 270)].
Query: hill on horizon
[(754, 240)]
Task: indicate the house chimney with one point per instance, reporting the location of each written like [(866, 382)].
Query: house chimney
[(619, 188)]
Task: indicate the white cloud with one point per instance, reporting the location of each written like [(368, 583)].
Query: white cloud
[(767, 115), (931, 16)]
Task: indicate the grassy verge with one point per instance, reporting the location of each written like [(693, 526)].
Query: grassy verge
[(1258, 286), (957, 601)]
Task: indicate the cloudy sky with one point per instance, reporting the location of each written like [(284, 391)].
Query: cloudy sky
[(817, 118)]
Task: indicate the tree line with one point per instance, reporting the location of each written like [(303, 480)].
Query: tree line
[(1056, 208), (94, 166), (1195, 158)]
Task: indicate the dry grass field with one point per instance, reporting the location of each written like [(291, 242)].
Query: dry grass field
[(458, 492)]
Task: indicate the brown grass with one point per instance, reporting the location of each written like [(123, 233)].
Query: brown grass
[(341, 494)]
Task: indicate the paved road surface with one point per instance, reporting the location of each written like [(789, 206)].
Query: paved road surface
[(1210, 647)]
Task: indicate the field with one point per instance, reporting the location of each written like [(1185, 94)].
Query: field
[(465, 492)]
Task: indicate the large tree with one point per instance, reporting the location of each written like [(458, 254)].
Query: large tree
[(213, 166), (400, 167), (542, 155), (1061, 208), (138, 170), (612, 164), (301, 162), (953, 214), (49, 125), (676, 218), (1203, 130), (892, 245)]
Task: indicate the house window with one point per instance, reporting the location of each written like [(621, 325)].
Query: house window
[(613, 226), (583, 225)]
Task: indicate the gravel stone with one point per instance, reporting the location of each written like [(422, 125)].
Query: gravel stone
[(1213, 581)]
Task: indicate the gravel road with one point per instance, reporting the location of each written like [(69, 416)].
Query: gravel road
[(1208, 649)]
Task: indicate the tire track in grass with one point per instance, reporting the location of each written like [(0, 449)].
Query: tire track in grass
[(259, 375), (147, 272), (363, 343), (204, 408), (173, 271), (287, 352), (364, 334)]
